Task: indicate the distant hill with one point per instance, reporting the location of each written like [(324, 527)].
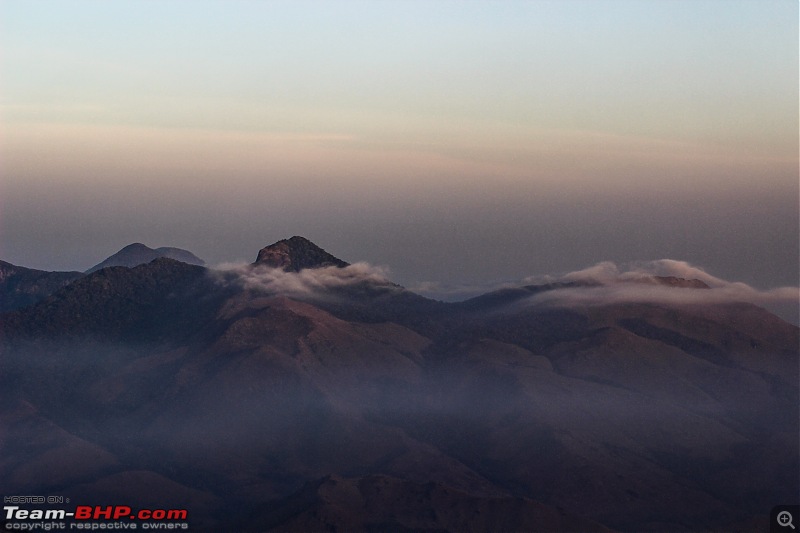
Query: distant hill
[(138, 254)]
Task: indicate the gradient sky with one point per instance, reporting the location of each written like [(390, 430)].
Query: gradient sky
[(458, 142)]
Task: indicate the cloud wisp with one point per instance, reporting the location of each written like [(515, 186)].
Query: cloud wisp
[(306, 283), (664, 281), (649, 282)]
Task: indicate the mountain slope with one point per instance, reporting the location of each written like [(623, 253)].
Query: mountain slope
[(21, 287), (140, 304)]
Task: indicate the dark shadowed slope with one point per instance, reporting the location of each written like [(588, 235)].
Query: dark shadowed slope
[(164, 299), (138, 254), (21, 287)]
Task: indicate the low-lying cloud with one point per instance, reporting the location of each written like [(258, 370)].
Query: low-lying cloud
[(609, 272), (601, 284), (607, 283), (307, 282)]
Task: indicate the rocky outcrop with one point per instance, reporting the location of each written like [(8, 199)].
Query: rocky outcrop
[(295, 254)]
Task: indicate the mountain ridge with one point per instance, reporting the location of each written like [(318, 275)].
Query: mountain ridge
[(21, 286)]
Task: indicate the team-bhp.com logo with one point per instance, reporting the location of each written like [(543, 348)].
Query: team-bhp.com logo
[(93, 517)]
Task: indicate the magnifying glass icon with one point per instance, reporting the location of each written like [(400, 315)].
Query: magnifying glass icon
[(785, 519)]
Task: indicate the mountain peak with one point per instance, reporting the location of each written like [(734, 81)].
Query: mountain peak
[(295, 254), (138, 254), (136, 247)]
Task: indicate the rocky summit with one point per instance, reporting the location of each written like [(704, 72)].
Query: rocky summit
[(296, 254)]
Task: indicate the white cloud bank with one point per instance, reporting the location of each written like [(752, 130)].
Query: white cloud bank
[(637, 283), (307, 282), (601, 284)]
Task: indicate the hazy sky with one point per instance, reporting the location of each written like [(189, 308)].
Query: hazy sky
[(459, 142)]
